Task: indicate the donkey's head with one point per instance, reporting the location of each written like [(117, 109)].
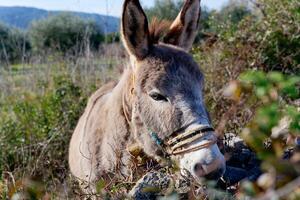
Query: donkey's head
[(168, 110)]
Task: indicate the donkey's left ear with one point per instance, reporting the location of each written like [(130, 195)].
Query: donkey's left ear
[(135, 33), (184, 29)]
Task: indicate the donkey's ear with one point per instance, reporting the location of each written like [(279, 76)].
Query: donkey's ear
[(184, 29), (135, 32)]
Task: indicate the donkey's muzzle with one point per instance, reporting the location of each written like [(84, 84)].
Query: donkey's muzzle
[(200, 154), (212, 171)]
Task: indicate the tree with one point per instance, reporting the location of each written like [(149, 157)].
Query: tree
[(234, 11), (228, 17), (65, 33), (165, 9), (14, 45)]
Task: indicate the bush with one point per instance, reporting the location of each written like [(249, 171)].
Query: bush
[(65, 33), (228, 18), (39, 108), (35, 131), (266, 45), (234, 12), (275, 92), (40, 115), (278, 35), (266, 42)]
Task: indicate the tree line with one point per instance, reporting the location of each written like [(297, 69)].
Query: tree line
[(64, 33), (71, 35)]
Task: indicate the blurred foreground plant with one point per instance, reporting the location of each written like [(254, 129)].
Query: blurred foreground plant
[(275, 124)]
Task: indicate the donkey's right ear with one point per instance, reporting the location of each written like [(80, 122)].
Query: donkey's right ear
[(134, 30)]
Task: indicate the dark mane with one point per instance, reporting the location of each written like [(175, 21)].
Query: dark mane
[(158, 29)]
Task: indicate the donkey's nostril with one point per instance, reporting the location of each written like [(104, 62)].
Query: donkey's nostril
[(198, 169), (212, 171)]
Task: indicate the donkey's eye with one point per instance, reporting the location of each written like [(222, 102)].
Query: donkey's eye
[(157, 97)]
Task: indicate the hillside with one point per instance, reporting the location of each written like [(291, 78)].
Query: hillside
[(21, 17)]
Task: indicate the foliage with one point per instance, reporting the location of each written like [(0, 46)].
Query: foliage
[(40, 106), (22, 17), (234, 12), (274, 91), (279, 35), (14, 45), (228, 18), (112, 38), (268, 45), (65, 33), (32, 123), (247, 45), (164, 9)]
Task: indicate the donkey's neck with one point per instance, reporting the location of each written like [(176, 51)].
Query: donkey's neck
[(117, 134), (124, 93)]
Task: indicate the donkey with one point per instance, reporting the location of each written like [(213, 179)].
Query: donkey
[(158, 103)]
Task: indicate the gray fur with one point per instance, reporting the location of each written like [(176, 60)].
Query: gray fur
[(121, 114)]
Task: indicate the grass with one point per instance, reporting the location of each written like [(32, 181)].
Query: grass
[(40, 105)]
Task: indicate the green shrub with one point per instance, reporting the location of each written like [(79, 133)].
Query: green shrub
[(267, 46), (39, 109), (35, 131), (257, 42), (227, 19), (278, 35), (274, 91)]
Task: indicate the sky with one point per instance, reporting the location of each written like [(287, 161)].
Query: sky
[(113, 7)]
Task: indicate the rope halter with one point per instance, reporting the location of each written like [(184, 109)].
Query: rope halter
[(178, 144)]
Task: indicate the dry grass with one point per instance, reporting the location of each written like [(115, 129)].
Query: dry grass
[(33, 142)]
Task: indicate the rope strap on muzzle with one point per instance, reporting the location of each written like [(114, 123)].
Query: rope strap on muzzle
[(177, 145)]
